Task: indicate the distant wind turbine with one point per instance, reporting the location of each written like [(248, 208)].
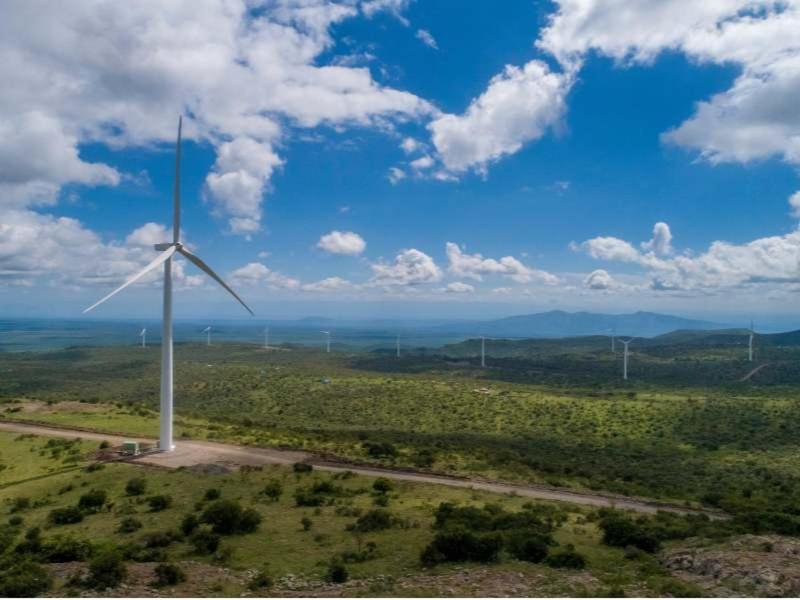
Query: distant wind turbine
[(750, 343), (168, 249), (266, 338), (143, 335), (207, 331), (625, 358), (483, 352), (398, 345), (328, 334)]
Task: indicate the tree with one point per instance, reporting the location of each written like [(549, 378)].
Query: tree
[(227, 517)]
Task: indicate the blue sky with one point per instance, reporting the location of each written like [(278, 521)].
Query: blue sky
[(553, 138)]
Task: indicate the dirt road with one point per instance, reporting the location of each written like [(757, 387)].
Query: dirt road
[(753, 372), (194, 452)]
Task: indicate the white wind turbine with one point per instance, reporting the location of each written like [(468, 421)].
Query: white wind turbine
[(143, 335), (168, 249), (625, 358), (483, 352), (266, 338), (328, 340), (207, 331), (750, 343)]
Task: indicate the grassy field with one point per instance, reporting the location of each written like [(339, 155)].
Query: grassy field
[(282, 545), (734, 446)]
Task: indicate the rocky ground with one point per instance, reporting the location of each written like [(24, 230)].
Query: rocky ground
[(748, 565)]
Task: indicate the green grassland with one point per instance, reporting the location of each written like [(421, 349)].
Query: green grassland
[(733, 445), (281, 545)]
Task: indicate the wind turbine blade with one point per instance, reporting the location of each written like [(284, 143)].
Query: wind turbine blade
[(207, 270), (159, 260), (176, 215)]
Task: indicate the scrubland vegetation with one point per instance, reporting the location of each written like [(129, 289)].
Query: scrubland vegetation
[(559, 417)]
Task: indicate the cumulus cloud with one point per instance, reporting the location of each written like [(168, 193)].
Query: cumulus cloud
[(765, 260), (458, 287), (519, 106), (755, 117), (661, 242), (256, 273), (599, 280), (342, 242), (245, 72), (426, 38), (396, 175), (475, 266), (410, 145), (329, 284), (410, 267), (794, 203)]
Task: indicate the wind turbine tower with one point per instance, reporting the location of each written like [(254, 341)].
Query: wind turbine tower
[(207, 331), (750, 344), (143, 335), (167, 250), (327, 340), (625, 358), (398, 345), (266, 338), (483, 352)]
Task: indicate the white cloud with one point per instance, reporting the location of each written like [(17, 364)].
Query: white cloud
[(753, 119), (256, 273), (475, 266), (119, 73), (149, 235), (329, 284), (411, 267), (765, 260), (426, 38), (599, 280), (396, 8), (422, 163), (410, 145), (519, 106), (396, 175), (661, 242), (457, 287), (342, 242), (794, 203)]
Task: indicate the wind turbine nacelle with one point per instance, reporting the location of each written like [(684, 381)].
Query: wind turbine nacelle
[(163, 246)]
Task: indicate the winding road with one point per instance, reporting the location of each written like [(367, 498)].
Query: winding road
[(190, 453)]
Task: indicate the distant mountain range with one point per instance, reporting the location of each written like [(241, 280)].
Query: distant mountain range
[(558, 323)]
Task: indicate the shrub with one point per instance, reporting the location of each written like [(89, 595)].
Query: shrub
[(92, 501), (31, 543), (307, 498), (168, 574), (106, 570), (212, 494), (380, 449), (24, 579), (189, 523), (460, 545), (260, 580), (374, 520), (65, 516), (529, 547), (159, 502), (160, 539), (622, 531), (302, 467), (337, 572), (104, 445), (306, 523), (382, 485), (204, 541), (227, 517), (136, 486), (16, 521), (273, 490), (566, 559), (61, 549), (129, 525), (20, 503)]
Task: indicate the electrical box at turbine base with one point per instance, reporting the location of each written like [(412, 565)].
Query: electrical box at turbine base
[(130, 448)]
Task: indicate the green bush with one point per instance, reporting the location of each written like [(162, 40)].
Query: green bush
[(106, 570), (260, 581), (621, 531), (62, 549), (20, 503), (382, 485), (189, 523), (337, 572), (159, 502), (374, 520), (380, 449), (306, 523), (530, 547), (65, 516), (273, 490), (25, 579), (460, 545), (168, 574), (92, 501), (566, 559), (204, 541), (302, 467), (129, 525), (136, 486), (160, 539), (227, 517), (212, 494)]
